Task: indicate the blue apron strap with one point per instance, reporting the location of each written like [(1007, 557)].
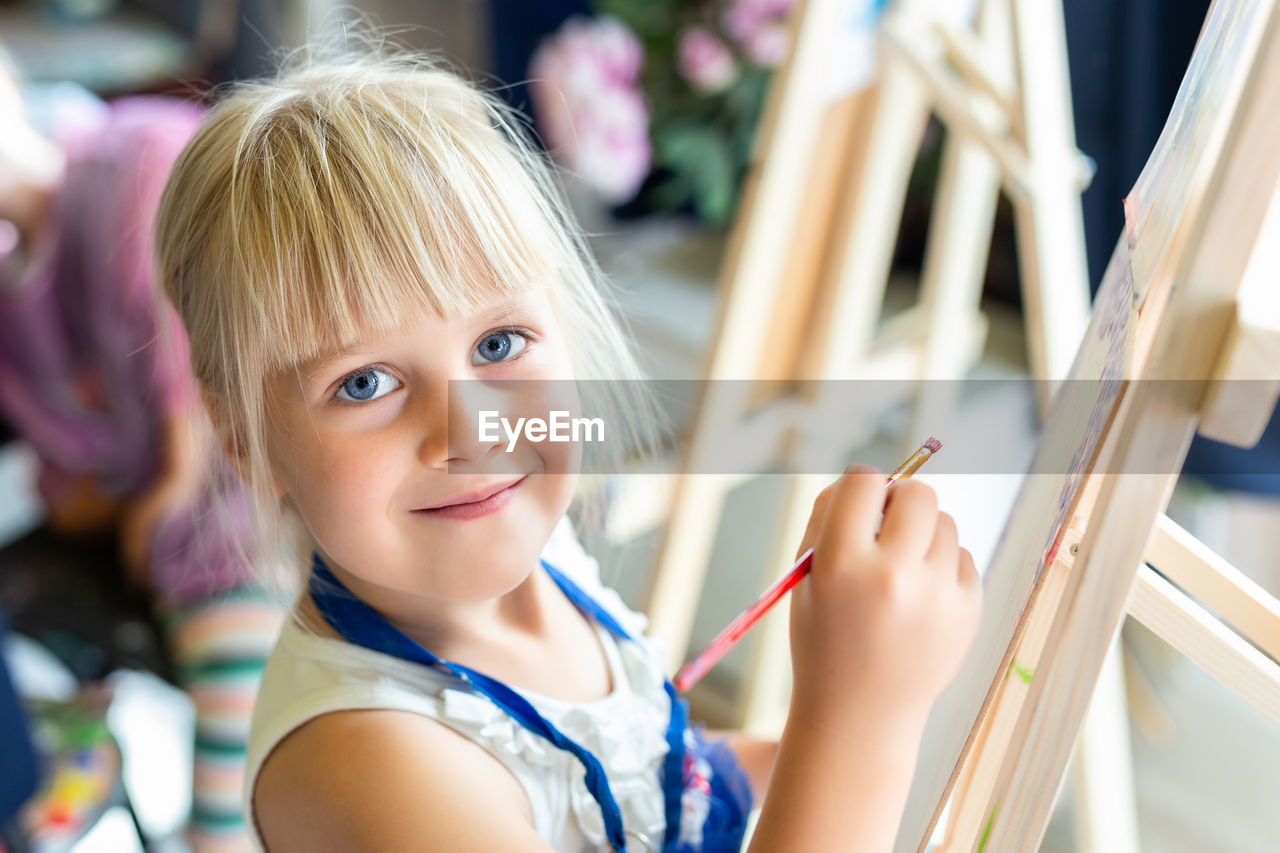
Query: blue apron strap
[(673, 764), (585, 602)]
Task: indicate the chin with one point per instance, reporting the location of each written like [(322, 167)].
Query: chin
[(499, 558)]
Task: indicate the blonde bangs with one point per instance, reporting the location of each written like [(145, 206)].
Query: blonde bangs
[(351, 212)]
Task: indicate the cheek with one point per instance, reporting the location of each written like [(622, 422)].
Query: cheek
[(560, 494), (335, 484), (560, 459), (525, 532)]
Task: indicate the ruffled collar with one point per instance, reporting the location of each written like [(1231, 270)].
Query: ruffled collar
[(624, 730)]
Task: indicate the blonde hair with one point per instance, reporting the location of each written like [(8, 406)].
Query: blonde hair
[(344, 193)]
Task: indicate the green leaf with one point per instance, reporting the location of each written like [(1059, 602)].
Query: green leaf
[(670, 194), (699, 155), (717, 184), (649, 18)]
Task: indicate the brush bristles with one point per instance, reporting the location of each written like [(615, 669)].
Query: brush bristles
[(932, 444)]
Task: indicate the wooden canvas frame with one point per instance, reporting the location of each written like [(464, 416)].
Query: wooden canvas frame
[(1061, 580)]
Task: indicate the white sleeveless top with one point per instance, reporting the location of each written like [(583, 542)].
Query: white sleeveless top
[(307, 676)]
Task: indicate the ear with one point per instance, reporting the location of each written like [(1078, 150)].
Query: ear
[(216, 406)]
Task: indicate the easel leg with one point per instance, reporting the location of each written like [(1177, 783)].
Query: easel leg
[(1103, 802), (754, 271), (859, 258), (951, 283), (851, 299), (683, 561), (1050, 224), (852, 290)]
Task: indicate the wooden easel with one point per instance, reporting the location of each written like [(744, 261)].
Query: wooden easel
[(1189, 308), (838, 171)]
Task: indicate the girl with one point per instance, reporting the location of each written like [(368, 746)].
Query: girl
[(344, 242)]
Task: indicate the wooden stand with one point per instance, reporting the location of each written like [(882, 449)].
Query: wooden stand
[(838, 172), (1185, 314)]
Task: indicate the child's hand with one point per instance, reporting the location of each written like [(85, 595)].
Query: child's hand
[(884, 619)]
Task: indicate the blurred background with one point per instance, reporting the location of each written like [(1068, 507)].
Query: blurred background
[(119, 719)]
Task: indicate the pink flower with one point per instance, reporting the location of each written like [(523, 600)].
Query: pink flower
[(704, 60), (760, 26), (589, 107), (768, 45)]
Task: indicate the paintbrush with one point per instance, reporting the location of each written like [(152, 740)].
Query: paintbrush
[(693, 671)]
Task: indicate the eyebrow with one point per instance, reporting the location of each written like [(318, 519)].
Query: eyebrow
[(522, 301)]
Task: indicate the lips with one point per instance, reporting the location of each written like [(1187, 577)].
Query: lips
[(473, 497)]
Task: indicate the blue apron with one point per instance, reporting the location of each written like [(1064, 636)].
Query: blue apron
[(706, 796)]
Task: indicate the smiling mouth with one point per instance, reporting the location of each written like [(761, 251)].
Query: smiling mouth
[(476, 505)]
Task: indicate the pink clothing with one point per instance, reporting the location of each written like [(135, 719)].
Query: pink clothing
[(92, 362), (85, 376)]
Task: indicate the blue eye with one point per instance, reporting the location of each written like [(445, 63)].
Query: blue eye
[(499, 346), (367, 385)]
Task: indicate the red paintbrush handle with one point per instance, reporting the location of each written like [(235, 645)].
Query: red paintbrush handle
[(728, 638)]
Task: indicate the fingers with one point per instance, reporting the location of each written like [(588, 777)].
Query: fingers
[(946, 542), (846, 516), (910, 518), (853, 510), (817, 518), (967, 573)]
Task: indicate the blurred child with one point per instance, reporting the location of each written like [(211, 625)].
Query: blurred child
[(94, 376), (342, 244)]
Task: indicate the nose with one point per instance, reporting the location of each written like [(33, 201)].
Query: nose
[(452, 436)]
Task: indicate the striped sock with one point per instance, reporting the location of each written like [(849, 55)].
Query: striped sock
[(220, 648)]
